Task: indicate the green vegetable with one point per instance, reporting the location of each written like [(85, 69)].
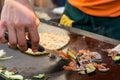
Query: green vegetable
[(40, 76), (82, 72), (2, 53), (116, 59), (90, 68), (7, 73), (27, 79), (18, 77), (72, 51), (1, 71), (11, 75), (71, 54), (6, 58)]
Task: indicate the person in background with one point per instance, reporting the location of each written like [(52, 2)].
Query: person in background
[(97, 16), (59, 3)]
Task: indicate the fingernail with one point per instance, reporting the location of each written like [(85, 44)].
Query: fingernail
[(22, 48), (12, 46)]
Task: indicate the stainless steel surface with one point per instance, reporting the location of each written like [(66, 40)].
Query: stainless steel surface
[(83, 32), (33, 65), (94, 36), (30, 65)]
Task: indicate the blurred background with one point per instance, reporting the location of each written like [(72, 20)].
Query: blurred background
[(48, 3), (45, 8)]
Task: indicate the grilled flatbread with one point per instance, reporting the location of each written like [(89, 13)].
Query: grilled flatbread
[(51, 41), (42, 15), (30, 52)]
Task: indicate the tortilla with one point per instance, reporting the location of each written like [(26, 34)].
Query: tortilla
[(30, 52), (42, 15), (51, 41)]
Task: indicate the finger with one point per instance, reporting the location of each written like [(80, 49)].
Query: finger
[(2, 32), (37, 22), (21, 37), (12, 35), (34, 37)]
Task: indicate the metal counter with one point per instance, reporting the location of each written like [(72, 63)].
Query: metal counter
[(29, 66)]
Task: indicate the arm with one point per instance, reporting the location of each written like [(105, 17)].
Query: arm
[(19, 20)]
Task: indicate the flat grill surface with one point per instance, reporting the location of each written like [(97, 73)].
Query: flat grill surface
[(94, 45), (29, 66)]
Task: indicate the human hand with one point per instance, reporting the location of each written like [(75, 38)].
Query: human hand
[(19, 20)]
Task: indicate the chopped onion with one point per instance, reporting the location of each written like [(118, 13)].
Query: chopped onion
[(18, 77), (2, 53), (5, 58)]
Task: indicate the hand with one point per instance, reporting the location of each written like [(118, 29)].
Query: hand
[(19, 20)]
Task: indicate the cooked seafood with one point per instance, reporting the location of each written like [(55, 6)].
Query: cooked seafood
[(114, 53), (84, 61)]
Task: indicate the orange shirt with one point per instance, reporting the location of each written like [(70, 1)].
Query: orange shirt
[(102, 8)]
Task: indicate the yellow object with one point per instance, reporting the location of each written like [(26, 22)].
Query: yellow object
[(90, 68), (66, 21), (82, 72), (102, 8)]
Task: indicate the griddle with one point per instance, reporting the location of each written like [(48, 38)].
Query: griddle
[(29, 66)]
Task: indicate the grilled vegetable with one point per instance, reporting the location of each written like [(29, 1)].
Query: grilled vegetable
[(40, 76), (116, 59), (11, 75), (86, 62), (71, 55), (90, 68), (82, 72), (2, 53), (114, 53), (16, 77), (7, 73), (72, 51), (6, 58), (64, 55)]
